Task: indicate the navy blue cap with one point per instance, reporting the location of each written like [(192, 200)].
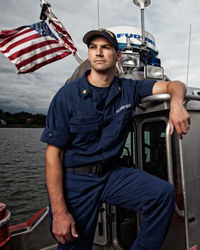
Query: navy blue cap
[(101, 32)]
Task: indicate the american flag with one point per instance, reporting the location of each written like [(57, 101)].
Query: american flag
[(31, 47), (62, 32)]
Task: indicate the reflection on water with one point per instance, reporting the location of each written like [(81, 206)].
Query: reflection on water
[(22, 172)]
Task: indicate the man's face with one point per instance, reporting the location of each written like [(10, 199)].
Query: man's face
[(102, 55)]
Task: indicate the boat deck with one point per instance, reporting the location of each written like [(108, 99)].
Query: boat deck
[(54, 247)]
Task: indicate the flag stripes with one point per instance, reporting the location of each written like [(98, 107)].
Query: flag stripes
[(63, 34), (31, 47)]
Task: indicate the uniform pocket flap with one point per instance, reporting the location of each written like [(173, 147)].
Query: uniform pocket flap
[(83, 125)]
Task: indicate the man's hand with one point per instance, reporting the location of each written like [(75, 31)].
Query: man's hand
[(179, 118), (64, 228), (63, 223)]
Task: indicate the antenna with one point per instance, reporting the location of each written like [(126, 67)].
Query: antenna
[(142, 4), (98, 13), (188, 56)]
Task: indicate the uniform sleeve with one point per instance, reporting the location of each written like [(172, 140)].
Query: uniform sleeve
[(143, 88), (146, 87), (57, 132)]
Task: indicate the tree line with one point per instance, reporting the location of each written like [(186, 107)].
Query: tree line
[(22, 119)]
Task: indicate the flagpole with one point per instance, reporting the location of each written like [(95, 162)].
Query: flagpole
[(78, 57), (188, 66), (46, 12)]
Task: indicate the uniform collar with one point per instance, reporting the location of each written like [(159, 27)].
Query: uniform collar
[(85, 86), (115, 88)]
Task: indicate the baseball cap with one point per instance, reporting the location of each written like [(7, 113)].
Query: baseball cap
[(101, 32)]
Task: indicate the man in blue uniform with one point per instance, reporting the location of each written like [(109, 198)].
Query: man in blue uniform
[(87, 125)]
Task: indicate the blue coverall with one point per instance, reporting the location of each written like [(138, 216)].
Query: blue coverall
[(91, 135)]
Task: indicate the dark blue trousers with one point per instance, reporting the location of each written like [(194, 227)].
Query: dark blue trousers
[(124, 187)]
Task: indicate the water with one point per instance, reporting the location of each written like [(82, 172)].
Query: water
[(22, 172)]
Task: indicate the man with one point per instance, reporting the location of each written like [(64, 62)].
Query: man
[(87, 125)]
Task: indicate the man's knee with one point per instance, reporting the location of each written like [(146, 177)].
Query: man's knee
[(167, 192)]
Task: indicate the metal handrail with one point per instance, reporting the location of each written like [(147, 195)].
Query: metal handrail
[(170, 166), (152, 98), (166, 97), (191, 98)]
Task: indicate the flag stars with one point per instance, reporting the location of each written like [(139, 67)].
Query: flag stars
[(43, 32)]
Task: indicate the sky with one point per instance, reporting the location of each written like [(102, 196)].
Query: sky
[(168, 21)]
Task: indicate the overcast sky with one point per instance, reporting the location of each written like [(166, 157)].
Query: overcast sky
[(168, 21)]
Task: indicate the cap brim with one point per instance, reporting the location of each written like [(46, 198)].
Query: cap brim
[(88, 36)]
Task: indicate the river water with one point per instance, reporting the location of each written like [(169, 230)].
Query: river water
[(22, 172)]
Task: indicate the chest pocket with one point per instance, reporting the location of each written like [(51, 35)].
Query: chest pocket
[(84, 125)]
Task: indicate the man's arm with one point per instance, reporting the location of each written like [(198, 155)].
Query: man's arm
[(178, 117), (63, 223)]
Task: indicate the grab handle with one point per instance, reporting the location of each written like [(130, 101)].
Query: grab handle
[(170, 166)]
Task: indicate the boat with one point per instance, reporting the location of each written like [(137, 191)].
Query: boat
[(149, 147)]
